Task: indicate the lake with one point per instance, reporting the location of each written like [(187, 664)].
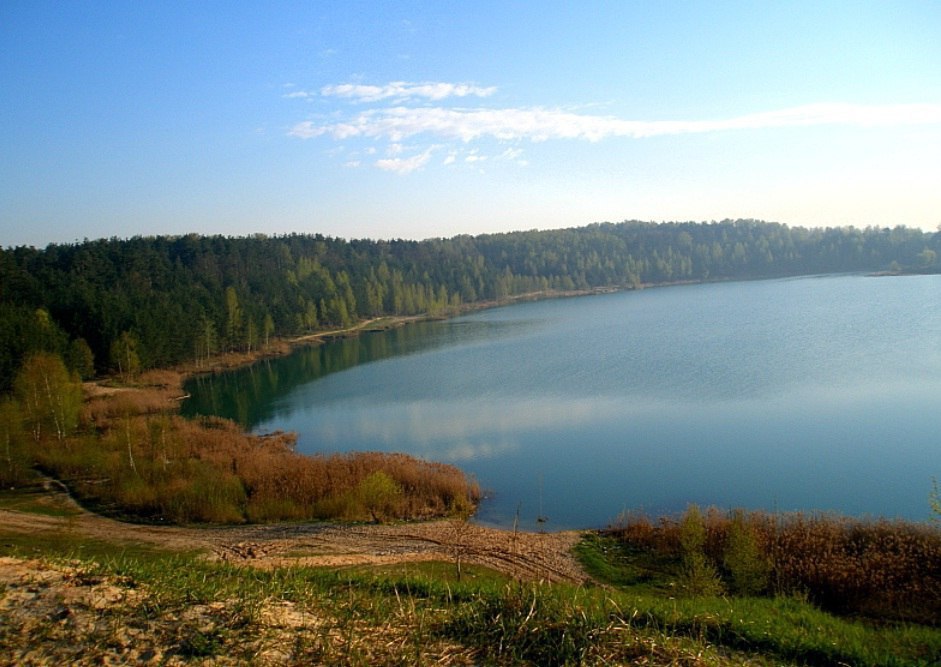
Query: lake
[(814, 394)]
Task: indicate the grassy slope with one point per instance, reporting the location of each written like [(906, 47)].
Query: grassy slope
[(781, 628), (178, 607)]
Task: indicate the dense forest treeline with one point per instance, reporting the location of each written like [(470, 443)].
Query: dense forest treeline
[(129, 304)]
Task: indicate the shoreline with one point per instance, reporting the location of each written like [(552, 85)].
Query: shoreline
[(161, 390), (331, 544), (285, 346), (173, 378)]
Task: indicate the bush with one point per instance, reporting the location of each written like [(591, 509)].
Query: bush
[(380, 495), (747, 565), (879, 568), (14, 456), (699, 575)]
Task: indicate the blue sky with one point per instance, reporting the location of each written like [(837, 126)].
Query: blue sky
[(423, 119)]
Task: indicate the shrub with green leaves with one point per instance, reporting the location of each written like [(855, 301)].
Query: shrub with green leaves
[(747, 566), (699, 576)]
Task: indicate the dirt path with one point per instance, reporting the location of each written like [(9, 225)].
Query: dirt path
[(523, 555)]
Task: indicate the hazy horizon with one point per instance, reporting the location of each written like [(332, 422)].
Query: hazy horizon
[(287, 233)]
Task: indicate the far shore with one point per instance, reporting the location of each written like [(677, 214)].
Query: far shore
[(169, 381), (175, 376)]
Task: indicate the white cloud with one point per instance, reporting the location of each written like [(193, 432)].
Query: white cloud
[(405, 118), (403, 90), (404, 165), (538, 124)]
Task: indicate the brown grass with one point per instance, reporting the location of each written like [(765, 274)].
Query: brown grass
[(153, 392), (166, 468), (879, 568), (135, 457)]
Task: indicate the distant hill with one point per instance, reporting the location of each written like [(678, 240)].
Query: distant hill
[(181, 298)]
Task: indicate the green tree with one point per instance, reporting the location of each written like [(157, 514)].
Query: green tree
[(379, 495), (251, 334), (267, 328), (927, 257), (747, 565), (699, 575), (124, 356), (310, 319), (51, 399), (233, 318), (81, 360), (206, 344), (48, 336)]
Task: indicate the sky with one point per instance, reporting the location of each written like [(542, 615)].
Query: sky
[(414, 120)]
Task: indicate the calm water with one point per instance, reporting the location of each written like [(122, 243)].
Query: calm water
[(816, 393)]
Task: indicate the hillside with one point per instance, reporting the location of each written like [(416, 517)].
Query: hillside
[(124, 305)]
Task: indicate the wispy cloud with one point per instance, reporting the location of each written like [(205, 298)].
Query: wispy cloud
[(451, 115), (405, 165), (539, 124), (403, 90)]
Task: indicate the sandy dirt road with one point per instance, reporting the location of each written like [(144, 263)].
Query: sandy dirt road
[(522, 555)]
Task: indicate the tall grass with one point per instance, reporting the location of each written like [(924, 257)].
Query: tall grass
[(876, 568), (162, 467)]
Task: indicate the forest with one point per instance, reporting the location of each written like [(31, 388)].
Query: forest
[(127, 305)]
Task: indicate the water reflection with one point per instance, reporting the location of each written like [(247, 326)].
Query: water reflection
[(817, 394), (254, 394)]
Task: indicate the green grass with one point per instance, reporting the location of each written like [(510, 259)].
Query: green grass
[(782, 628), (31, 497), (66, 545), (414, 613), (615, 563), (791, 629), (432, 570)]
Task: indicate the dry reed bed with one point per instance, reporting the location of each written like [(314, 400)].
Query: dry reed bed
[(877, 568), (135, 457)]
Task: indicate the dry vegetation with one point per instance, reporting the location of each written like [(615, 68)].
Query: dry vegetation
[(164, 467), (890, 570), (131, 455)]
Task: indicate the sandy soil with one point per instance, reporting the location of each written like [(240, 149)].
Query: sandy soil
[(522, 555)]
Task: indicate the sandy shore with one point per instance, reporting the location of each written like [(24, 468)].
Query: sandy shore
[(522, 555)]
